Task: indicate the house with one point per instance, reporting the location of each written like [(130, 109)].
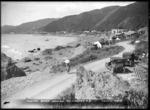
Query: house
[(115, 31), (129, 34), (143, 30), (120, 35)]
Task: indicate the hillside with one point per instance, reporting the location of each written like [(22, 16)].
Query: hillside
[(81, 22), (132, 16), (7, 28), (28, 27)]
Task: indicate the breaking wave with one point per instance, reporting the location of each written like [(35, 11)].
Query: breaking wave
[(13, 53)]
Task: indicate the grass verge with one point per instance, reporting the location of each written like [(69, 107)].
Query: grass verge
[(89, 55)]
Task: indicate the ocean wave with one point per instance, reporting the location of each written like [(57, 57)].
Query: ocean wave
[(15, 52), (5, 46)]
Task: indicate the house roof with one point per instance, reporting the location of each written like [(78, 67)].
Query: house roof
[(129, 32), (118, 33)]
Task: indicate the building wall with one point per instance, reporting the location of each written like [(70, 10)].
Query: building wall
[(117, 31)]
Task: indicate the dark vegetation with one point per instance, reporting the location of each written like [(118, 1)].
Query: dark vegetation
[(36, 59), (59, 48), (108, 89), (142, 47), (88, 55), (27, 59), (47, 58), (68, 94), (9, 69), (62, 47), (50, 51), (136, 100), (47, 52)]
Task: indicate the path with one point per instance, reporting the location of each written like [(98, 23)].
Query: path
[(50, 89)]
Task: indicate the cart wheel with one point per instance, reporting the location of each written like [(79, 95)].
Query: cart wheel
[(112, 70), (119, 69)]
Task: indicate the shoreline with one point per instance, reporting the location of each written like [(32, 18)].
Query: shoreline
[(13, 50), (38, 63)]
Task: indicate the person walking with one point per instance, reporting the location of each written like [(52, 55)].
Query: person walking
[(98, 45), (67, 65), (95, 45), (132, 58)]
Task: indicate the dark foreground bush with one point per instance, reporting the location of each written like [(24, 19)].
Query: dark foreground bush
[(68, 94), (142, 47), (108, 90), (137, 100), (9, 69)]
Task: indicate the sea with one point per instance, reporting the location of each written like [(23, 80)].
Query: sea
[(17, 46)]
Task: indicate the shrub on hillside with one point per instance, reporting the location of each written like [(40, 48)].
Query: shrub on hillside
[(27, 59), (59, 48), (58, 68), (77, 45), (47, 52), (136, 99), (90, 55), (47, 58), (68, 46), (88, 58), (36, 59), (142, 47)]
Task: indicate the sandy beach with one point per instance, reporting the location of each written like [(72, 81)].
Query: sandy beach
[(17, 46), (40, 63)]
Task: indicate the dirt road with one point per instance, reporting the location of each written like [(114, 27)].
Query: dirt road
[(50, 89)]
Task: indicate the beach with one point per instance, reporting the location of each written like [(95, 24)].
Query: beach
[(17, 46)]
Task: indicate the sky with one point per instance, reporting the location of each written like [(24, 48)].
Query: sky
[(16, 13)]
